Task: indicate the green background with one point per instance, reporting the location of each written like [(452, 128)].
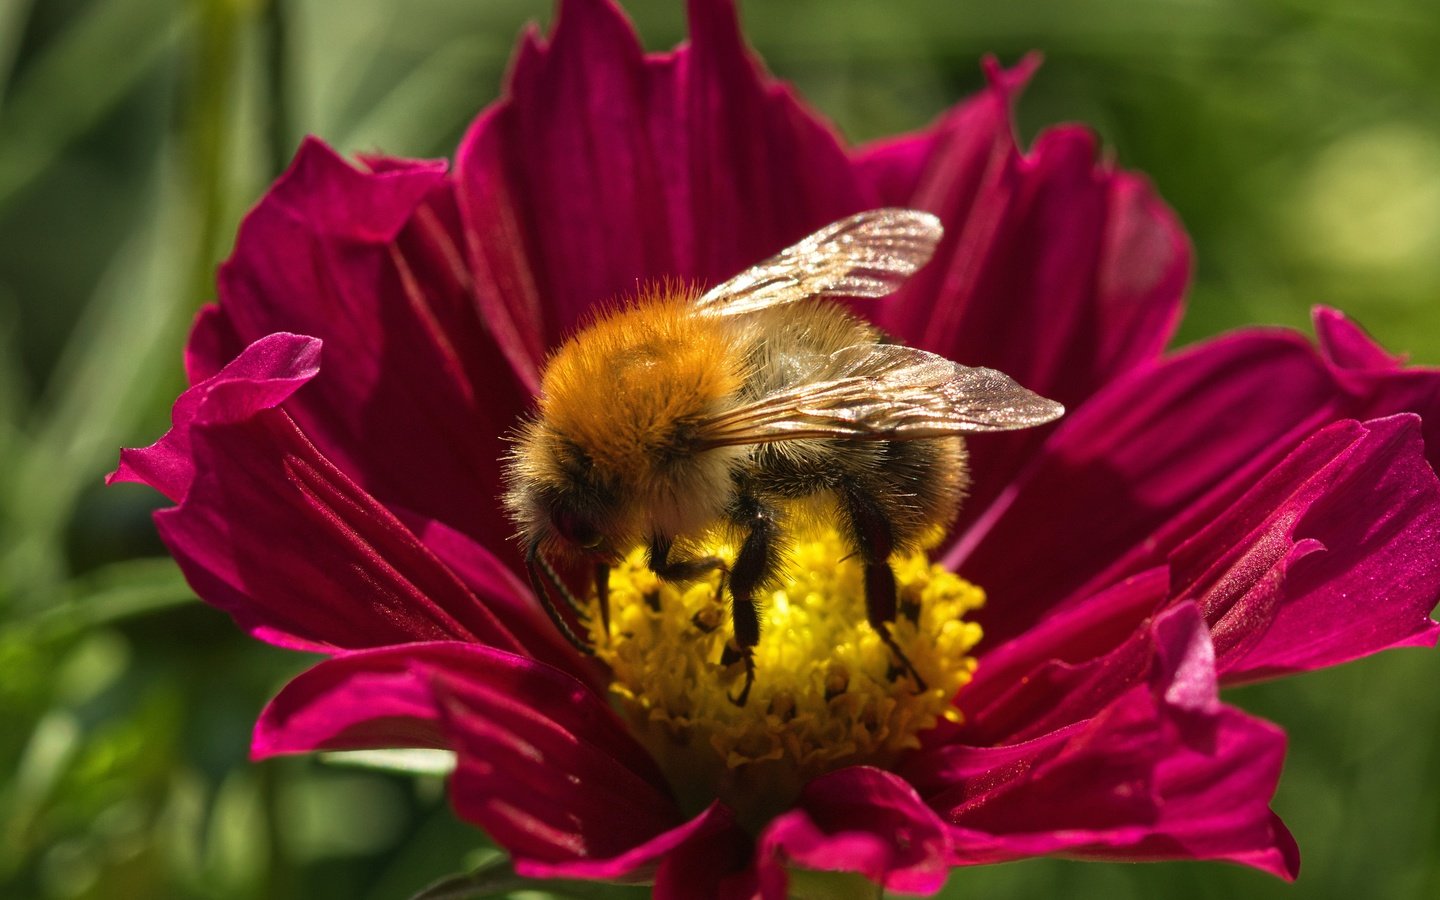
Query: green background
[(1299, 140)]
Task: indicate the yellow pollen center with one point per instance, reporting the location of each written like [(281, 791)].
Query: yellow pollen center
[(828, 692)]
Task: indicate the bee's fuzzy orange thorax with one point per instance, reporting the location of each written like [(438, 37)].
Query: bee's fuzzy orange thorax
[(626, 387)]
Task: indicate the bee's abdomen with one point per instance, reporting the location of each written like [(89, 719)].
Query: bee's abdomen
[(917, 485)]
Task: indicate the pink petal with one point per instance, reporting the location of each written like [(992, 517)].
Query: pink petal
[(1161, 452), (1030, 694), (1056, 268), (1068, 667), (1329, 558), (552, 775), (511, 600), (859, 819), (361, 699), (717, 865), (544, 765), (1378, 379), (266, 374), (416, 395), (603, 169), (212, 344), (1164, 771), (708, 833), (1347, 345), (765, 170), (948, 162), (1135, 457), (270, 531), (333, 199)]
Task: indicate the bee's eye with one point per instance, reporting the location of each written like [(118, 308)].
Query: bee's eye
[(575, 529)]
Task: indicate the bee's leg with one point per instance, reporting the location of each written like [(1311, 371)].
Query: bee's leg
[(602, 595), (682, 570), (679, 570), (540, 569), (754, 565), (874, 540)]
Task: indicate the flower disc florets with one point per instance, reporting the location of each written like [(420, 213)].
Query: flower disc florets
[(827, 691)]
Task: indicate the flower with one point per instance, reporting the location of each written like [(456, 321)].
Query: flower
[(1247, 508)]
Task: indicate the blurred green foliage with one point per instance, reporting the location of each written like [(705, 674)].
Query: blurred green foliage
[(1299, 140)]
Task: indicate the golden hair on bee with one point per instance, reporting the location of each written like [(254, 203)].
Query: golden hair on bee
[(619, 401), (625, 386)]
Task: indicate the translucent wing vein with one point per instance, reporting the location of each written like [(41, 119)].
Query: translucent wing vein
[(870, 254), (884, 392)]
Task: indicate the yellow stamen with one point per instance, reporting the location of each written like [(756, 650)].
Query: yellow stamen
[(827, 693)]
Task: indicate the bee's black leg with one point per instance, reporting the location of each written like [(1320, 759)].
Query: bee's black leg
[(602, 595), (754, 565), (680, 570), (875, 541)]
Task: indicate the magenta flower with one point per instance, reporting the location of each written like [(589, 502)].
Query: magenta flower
[(1243, 509)]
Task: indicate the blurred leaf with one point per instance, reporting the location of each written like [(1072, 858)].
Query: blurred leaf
[(180, 826), (105, 380), (420, 110), (69, 867), (92, 666), (79, 77), (25, 660), (115, 592), (13, 16), (12, 377), (236, 847), (437, 842), (340, 815), (492, 879), (53, 744)]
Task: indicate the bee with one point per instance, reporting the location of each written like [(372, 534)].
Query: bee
[(680, 411)]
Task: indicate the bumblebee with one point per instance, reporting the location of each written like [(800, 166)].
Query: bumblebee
[(744, 406)]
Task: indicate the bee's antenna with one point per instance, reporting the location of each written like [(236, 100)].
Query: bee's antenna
[(562, 589), (537, 565)]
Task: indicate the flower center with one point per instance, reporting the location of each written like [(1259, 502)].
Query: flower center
[(827, 693)]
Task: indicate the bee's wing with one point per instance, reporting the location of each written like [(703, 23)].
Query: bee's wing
[(883, 392), (867, 255)]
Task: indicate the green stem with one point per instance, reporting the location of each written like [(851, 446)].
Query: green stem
[(277, 68), (208, 120)]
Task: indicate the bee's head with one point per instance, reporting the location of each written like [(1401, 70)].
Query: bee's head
[(559, 501), (609, 460)]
